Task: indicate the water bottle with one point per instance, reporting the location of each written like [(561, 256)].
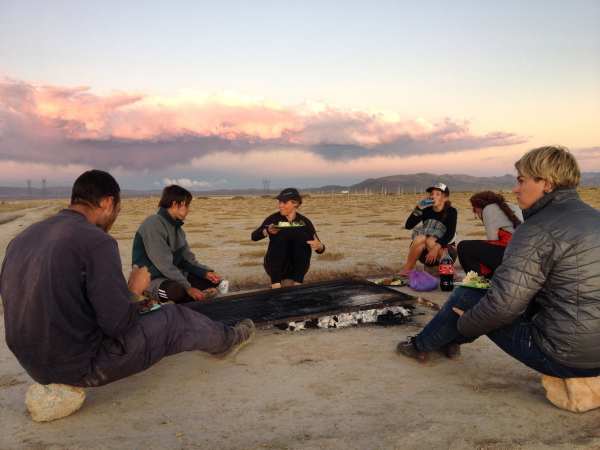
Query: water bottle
[(425, 203), (446, 271)]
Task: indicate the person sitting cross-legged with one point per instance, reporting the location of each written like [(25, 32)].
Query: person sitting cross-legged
[(543, 306), (160, 245)]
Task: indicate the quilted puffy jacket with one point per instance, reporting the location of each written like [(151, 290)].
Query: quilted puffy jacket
[(551, 268)]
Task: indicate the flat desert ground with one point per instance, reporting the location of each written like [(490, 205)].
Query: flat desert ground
[(315, 389)]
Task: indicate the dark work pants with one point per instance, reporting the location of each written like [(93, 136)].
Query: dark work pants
[(472, 254), (515, 339), (169, 330), (175, 292), (287, 258)]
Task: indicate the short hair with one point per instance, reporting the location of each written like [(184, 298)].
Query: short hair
[(174, 193), (94, 185), (552, 163)]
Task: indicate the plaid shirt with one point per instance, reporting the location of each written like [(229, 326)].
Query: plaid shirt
[(430, 227), (428, 222)]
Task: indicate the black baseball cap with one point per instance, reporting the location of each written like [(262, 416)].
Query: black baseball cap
[(440, 187), (289, 194)]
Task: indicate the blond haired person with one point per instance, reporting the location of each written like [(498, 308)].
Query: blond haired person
[(543, 306)]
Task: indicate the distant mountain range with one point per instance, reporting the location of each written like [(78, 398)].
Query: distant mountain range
[(456, 183), (391, 184), (420, 181)]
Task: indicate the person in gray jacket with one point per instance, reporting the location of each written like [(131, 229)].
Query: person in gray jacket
[(160, 245), (543, 306)]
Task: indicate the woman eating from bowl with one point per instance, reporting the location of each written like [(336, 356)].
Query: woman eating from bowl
[(543, 304), (436, 233), (500, 220), (292, 238)]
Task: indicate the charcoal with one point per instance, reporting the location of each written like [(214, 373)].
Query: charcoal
[(349, 300)]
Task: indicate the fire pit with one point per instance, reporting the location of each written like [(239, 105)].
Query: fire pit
[(329, 304)]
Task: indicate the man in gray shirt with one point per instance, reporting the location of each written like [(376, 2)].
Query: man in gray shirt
[(68, 312)]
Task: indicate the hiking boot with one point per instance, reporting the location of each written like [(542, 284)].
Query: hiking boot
[(407, 348), (452, 351), (244, 331)]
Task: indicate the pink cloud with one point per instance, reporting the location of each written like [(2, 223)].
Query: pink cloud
[(59, 125), (294, 162)]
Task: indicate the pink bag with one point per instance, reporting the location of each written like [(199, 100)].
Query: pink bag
[(422, 281)]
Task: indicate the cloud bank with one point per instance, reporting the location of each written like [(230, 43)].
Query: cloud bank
[(72, 125)]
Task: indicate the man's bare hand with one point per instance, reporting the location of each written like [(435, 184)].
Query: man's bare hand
[(213, 277), (458, 311), (139, 280), (271, 229), (196, 294)]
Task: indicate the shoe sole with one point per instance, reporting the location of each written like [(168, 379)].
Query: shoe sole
[(412, 357), (236, 348)]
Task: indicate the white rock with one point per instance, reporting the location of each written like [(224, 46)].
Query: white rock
[(53, 401)]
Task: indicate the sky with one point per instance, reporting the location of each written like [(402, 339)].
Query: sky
[(222, 95)]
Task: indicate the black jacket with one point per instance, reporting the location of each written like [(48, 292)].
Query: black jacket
[(552, 267), (305, 233)]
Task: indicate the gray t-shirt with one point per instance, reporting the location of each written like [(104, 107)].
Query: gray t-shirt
[(495, 219)]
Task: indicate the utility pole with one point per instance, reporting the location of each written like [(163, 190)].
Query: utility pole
[(43, 187), (266, 185), (29, 192)]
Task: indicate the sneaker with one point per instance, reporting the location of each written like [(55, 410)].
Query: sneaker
[(407, 348), (452, 351), (244, 332)]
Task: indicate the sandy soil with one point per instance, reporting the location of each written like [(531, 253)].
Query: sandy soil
[(364, 235), (329, 389)]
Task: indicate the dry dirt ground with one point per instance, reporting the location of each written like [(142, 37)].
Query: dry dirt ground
[(322, 389)]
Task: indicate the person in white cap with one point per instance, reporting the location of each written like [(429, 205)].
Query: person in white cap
[(434, 223)]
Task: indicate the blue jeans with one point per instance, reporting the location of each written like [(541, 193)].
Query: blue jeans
[(515, 339)]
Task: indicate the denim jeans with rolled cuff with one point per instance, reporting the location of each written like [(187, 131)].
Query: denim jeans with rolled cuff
[(515, 339)]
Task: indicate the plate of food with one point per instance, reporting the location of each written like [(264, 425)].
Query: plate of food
[(284, 225), (474, 281), (394, 281)]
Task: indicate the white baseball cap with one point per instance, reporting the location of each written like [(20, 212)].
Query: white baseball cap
[(440, 187)]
